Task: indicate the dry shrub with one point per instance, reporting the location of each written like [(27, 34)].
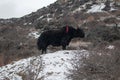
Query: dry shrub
[(100, 65), (32, 71), (103, 33), (15, 44)]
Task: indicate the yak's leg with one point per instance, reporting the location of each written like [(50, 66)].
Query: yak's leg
[(44, 50), (64, 44), (65, 41), (64, 47)]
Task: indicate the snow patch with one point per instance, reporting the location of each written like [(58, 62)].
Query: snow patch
[(51, 66), (56, 65), (96, 8), (77, 10), (34, 34), (110, 47), (27, 24), (49, 19), (40, 17)]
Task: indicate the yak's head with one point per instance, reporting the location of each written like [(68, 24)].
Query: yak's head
[(79, 33)]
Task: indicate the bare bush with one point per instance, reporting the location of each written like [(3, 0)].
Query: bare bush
[(103, 33), (33, 70), (98, 66)]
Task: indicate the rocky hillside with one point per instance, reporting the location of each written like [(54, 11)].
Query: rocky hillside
[(100, 20), (71, 12)]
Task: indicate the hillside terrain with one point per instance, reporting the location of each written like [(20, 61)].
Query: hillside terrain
[(51, 66), (99, 19), (66, 65)]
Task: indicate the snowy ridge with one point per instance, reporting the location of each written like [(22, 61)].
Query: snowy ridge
[(52, 66)]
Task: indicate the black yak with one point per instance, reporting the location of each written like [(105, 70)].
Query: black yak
[(58, 37)]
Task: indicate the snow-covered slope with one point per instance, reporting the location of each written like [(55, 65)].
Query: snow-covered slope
[(51, 66)]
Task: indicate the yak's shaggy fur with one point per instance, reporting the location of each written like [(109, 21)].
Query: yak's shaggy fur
[(59, 37)]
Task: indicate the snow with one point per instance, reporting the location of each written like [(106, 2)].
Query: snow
[(77, 10), (25, 24), (57, 64), (99, 7), (110, 47), (34, 34), (49, 19), (96, 8), (40, 17), (50, 66)]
